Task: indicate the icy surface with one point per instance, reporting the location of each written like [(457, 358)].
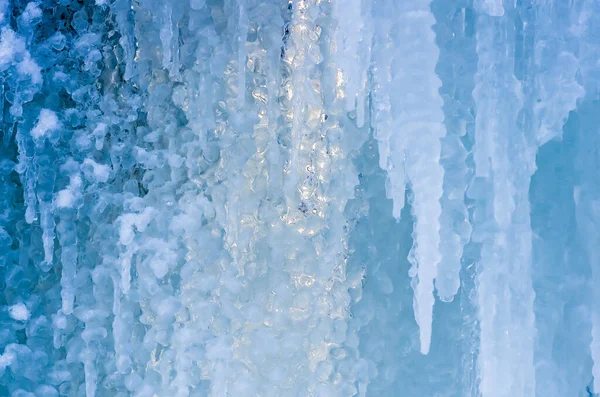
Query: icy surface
[(299, 198)]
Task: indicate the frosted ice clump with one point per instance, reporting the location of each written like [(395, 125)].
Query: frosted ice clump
[(19, 312), (47, 122), (299, 198)]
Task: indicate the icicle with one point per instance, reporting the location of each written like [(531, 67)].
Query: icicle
[(47, 224), (121, 328), (89, 368), (166, 35), (68, 242), (66, 200), (383, 127), (505, 268), (123, 10), (365, 57), (125, 268), (504, 160), (26, 171), (241, 42), (353, 41), (457, 49), (45, 184), (417, 125), (455, 227), (505, 291)]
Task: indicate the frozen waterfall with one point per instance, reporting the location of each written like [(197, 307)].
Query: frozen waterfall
[(300, 198)]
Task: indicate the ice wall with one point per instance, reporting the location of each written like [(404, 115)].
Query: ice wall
[(299, 198)]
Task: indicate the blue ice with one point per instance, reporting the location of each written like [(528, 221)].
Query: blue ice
[(299, 198)]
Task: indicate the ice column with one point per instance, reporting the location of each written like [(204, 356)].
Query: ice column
[(585, 28), (504, 155), (456, 67), (505, 293)]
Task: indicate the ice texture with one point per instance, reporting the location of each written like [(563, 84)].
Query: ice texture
[(299, 198)]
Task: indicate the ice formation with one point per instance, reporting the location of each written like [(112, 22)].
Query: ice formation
[(299, 198)]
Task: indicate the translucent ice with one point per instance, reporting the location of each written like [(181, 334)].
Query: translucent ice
[(299, 198)]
